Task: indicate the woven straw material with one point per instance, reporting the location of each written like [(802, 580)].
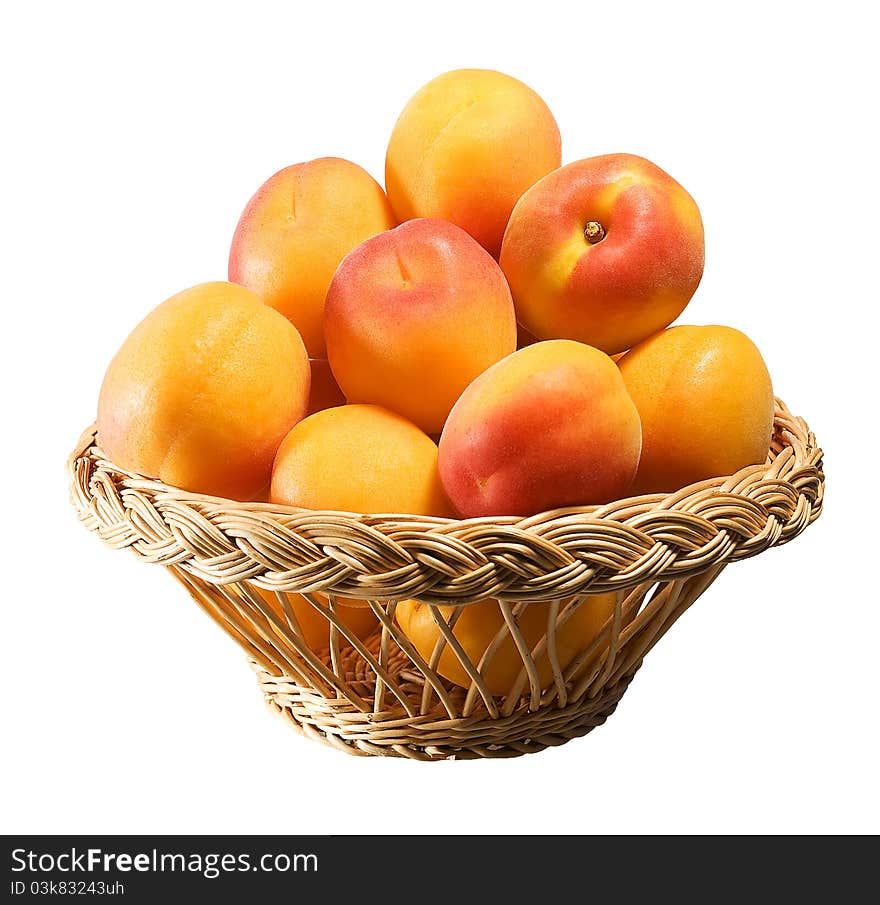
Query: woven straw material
[(380, 696)]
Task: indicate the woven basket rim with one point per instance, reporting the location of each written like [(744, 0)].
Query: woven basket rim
[(553, 554)]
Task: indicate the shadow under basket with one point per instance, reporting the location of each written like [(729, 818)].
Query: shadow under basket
[(246, 565)]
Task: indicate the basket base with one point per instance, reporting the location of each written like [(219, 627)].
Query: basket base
[(434, 736)]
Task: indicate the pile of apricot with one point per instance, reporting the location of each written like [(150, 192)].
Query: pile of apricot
[(488, 335)]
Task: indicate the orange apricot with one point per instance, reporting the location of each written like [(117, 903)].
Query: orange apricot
[(706, 404), (464, 149), (480, 622), (605, 250), (203, 391), (358, 458), (315, 626), (413, 316), (297, 228), (550, 425)]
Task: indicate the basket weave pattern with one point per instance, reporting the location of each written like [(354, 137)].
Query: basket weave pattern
[(380, 696)]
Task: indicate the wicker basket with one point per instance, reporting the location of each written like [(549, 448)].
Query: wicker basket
[(379, 696)]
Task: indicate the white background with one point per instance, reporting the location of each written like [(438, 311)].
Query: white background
[(133, 137)]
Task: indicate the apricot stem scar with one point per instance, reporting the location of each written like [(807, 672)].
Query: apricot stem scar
[(594, 232)]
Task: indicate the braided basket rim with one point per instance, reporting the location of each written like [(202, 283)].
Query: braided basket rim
[(554, 554)]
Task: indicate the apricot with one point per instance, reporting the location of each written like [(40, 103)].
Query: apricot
[(314, 625), (297, 228), (358, 458), (413, 316), (203, 391), (706, 405), (325, 392), (606, 250), (464, 149), (551, 425), (478, 625)]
